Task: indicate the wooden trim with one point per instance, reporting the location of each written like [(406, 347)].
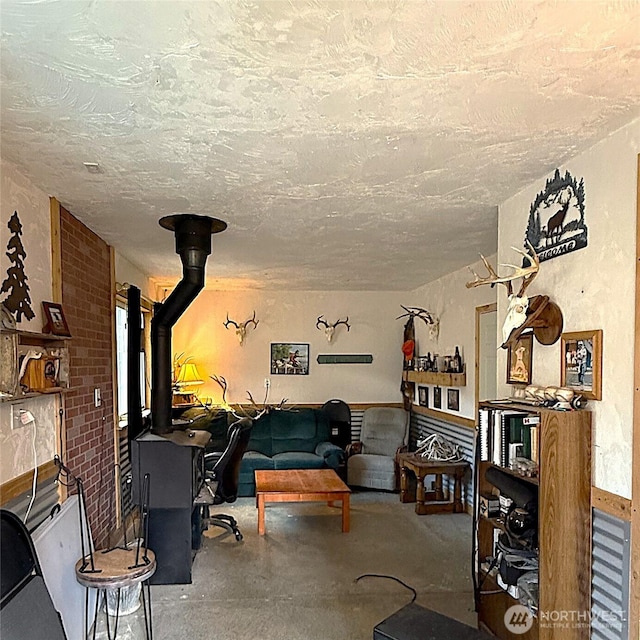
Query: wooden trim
[(359, 406), (18, 485), (634, 601), (56, 252), (114, 386), (443, 415), (486, 308), (611, 503)]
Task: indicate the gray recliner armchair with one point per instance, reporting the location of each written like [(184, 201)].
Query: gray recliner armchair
[(371, 462)]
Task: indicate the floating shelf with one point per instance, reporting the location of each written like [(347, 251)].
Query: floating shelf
[(32, 338), (440, 379), (34, 394)]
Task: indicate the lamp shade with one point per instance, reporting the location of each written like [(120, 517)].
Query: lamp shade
[(188, 375)]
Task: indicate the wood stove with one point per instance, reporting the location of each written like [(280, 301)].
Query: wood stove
[(172, 456)]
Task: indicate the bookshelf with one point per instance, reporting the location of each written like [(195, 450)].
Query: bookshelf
[(562, 486)]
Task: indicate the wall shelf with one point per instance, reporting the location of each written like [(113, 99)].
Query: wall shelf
[(15, 344), (35, 394), (437, 378)]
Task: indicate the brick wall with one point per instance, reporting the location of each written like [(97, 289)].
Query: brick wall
[(86, 298)]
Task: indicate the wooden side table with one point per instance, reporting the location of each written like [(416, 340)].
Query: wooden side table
[(428, 502)]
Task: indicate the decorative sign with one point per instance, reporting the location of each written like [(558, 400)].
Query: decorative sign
[(345, 359), (556, 218)]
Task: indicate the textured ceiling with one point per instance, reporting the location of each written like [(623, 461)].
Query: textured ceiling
[(349, 145)]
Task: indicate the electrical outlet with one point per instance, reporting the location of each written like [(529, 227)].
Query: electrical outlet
[(97, 397), (267, 383), (16, 423)]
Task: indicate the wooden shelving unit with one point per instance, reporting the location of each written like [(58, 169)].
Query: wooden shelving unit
[(564, 528), (26, 340), (436, 378)]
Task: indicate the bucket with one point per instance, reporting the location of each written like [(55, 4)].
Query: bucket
[(129, 596), (129, 600)]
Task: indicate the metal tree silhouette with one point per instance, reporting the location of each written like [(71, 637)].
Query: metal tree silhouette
[(15, 284)]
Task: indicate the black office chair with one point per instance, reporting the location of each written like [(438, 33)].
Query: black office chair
[(223, 468), (339, 415), (26, 608)]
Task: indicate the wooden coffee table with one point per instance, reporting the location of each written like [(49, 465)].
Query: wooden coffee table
[(301, 485)]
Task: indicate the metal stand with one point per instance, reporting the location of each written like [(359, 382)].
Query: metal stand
[(117, 568)]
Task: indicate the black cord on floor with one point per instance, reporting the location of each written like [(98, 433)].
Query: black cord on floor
[(378, 575)]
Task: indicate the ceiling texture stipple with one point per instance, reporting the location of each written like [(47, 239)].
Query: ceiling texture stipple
[(348, 145)]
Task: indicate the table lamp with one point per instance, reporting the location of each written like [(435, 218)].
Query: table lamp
[(188, 377)]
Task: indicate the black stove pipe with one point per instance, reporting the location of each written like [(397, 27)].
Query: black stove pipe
[(193, 244)]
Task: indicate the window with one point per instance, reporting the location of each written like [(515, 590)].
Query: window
[(121, 358)]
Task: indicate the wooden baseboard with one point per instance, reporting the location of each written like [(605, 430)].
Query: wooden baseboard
[(611, 503), (443, 415), (18, 485)]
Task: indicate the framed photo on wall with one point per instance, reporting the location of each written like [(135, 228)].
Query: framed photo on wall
[(520, 360), (56, 322), (289, 358), (453, 399), (423, 396), (581, 364), (437, 397)]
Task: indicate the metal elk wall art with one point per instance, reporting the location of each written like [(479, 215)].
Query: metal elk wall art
[(556, 222), (538, 313), (241, 327), (328, 328)]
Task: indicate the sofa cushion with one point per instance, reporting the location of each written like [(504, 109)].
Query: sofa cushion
[(298, 460), (293, 431), (372, 471), (253, 461), (384, 429), (261, 435)]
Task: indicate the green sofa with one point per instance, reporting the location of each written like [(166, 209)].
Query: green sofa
[(288, 439)]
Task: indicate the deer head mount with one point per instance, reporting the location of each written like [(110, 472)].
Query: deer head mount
[(537, 313), (329, 329), (241, 327), (426, 316)]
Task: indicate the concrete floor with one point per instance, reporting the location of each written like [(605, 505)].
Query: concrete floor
[(298, 582)]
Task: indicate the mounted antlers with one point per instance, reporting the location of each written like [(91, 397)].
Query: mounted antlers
[(329, 329), (539, 313), (241, 328), (428, 318), (526, 273), (258, 411)]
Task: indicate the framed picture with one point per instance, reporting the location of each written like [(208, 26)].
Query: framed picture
[(453, 399), (581, 365), (519, 360), (423, 396), (437, 397), (56, 322), (289, 358)]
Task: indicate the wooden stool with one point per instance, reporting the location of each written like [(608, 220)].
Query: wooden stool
[(114, 569), (430, 501)]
